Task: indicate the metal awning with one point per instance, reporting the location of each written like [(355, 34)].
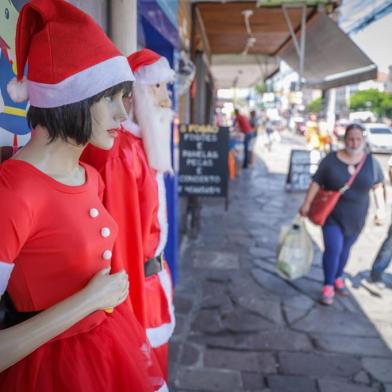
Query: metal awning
[(242, 70), (331, 59)]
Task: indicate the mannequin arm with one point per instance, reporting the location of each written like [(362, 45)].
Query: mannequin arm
[(103, 291)]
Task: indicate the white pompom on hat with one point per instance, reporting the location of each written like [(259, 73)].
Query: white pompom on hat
[(149, 67), (69, 56)]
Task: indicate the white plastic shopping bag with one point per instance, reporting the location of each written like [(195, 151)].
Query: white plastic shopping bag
[(295, 250)]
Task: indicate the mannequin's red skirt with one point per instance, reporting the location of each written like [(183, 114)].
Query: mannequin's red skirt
[(104, 352)]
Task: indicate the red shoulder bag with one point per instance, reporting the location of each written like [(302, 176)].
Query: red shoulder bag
[(325, 201)]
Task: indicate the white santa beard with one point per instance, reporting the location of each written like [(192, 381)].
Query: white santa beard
[(155, 123)]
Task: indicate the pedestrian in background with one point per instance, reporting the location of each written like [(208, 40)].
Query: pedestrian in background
[(346, 221), (243, 124)]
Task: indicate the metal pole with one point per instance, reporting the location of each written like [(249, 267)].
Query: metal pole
[(303, 42)]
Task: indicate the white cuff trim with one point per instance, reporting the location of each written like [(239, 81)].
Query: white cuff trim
[(160, 335), (84, 84), (163, 388), (5, 273)]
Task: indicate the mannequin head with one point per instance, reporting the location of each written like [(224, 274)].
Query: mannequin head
[(150, 106), (151, 109), (85, 121)]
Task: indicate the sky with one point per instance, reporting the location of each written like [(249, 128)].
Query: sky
[(375, 41)]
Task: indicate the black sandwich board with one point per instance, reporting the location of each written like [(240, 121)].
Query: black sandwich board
[(203, 160), (303, 164)]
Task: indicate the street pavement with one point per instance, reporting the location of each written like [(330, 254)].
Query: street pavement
[(240, 327)]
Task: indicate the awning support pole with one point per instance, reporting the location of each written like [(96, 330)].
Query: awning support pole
[(299, 47)]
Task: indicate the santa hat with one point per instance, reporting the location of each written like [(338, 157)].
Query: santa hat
[(150, 68), (69, 56)]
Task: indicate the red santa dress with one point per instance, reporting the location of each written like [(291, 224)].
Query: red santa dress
[(135, 197), (53, 239)]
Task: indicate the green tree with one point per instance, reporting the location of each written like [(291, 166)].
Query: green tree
[(315, 106), (376, 101), (260, 88)]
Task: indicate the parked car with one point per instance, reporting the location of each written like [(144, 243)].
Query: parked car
[(379, 137)]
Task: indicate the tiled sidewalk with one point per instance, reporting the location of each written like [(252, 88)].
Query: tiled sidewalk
[(242, 328)]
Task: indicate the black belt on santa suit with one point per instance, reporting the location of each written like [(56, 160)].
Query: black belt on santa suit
[(153, 266)]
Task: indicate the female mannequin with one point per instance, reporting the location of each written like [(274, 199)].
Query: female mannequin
[(56, 237)]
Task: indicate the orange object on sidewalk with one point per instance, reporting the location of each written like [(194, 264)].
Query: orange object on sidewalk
[(231, 163)]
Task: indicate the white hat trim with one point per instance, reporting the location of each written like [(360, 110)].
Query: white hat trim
[(158, 72), (82, 85)]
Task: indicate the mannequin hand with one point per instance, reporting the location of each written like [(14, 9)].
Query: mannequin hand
[(304, 209), (106, 291)]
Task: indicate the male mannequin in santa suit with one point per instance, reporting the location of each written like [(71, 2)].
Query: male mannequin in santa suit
[(133, 172)]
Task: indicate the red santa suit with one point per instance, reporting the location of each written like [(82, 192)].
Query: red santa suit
[(135, 197)]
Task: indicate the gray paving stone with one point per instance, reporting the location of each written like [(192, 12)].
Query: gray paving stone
[(379, 368), (337, 386), (237, 360), (388, 387), (261, 252), (264, 264), (181, 322), (352, 345), (340, 323), (252, 381), (206, 380), (267, 308), (215, 260), (318, 364), (174, 351), (291, 384), (279, 340), (190, 355), (297, 307), (243, 321), (182, 304), (208, 321), (362, 378), (273, 283)]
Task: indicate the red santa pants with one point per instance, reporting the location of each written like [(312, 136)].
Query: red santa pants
[(160, 317)]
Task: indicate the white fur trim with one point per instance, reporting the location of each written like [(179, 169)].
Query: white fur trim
[(17, 90), (163, 388), (132, 127), (157, 72), (5, 273), (84, 84), (158, 336), (162, 214)]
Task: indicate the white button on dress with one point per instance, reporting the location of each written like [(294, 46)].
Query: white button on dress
[(93, 212), (107, 255), (105, 232)]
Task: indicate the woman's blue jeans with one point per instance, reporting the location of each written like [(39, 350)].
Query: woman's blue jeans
[(337, 249), (383, 257)]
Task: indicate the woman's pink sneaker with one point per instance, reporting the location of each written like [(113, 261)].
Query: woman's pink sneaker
[(327, 295), (340, 287)]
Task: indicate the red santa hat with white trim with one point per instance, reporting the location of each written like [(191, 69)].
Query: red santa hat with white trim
[(69, 56), (149, 67)]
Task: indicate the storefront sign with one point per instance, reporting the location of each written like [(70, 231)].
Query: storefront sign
[(203, 160), (303, 164)]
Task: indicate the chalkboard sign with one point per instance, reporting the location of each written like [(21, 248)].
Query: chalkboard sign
[(303, 164), (203, 160)]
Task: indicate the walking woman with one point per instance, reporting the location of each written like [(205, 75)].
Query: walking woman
[(346, 221), (69, 325)]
